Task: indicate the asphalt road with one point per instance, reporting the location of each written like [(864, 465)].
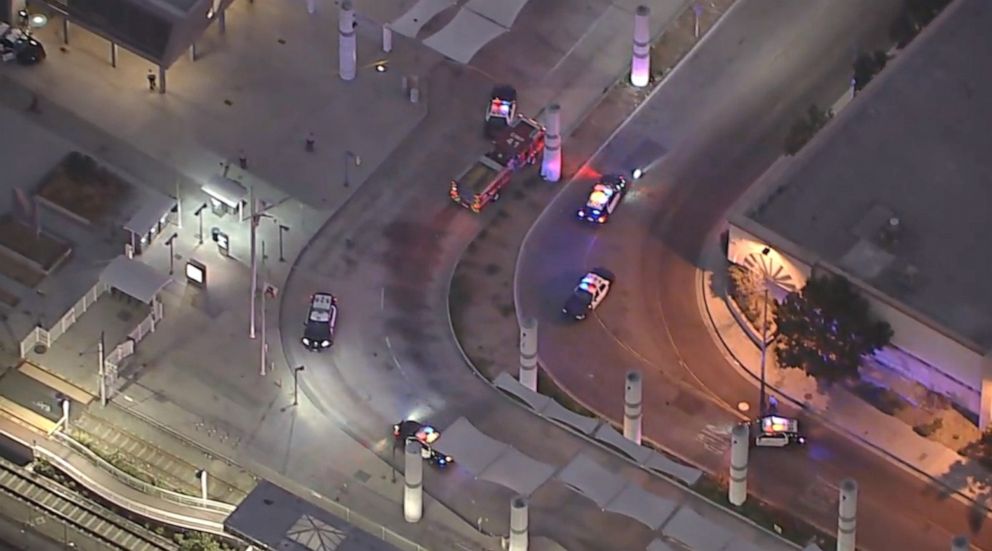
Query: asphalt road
[(715, 125)]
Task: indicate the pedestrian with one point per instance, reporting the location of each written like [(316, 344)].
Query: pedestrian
[(242, 159), (772, 404), (151, 80), (310, 143)]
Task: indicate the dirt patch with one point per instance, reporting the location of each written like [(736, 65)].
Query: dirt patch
[(47, 251), (84, 188), (19, 271)]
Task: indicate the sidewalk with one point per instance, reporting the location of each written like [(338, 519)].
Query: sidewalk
[(845, 412)]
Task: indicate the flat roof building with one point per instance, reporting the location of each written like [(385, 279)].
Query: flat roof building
[(896, 194)]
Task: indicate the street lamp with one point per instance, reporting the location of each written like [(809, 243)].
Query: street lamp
[(282, 228), (172, 251), (199, 214), (296, 384), (764, 335), (350, 157), (201, 474)]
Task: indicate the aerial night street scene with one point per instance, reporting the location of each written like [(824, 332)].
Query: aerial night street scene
[(482, 275)]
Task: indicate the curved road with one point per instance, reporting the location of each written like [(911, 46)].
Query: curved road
[(712, 128), (389, 256)]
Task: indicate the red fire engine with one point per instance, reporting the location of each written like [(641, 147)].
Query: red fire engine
[(518, 145)]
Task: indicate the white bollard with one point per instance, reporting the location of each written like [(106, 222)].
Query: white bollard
[(739, 447), (551, 163), (528, 354), (387, 39), (847, 515), (640, 61), (632, 407), (413, 483), (347, 56), (959, 543), (518, 524)]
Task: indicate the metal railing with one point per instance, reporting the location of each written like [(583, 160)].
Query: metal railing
[(146, 488)]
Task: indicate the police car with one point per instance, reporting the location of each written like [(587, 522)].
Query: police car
[(603, 199), (588, 294), (425, 435), (502, 110), (318, 330), (775, 431)]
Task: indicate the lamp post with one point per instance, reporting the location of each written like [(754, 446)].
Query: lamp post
[(350, 157), (296, 384), (199, 214), (201, 474), (172, 252), (282, 228), (764, 337)]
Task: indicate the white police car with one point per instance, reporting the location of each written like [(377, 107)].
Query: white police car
[(603, 199), (318, 330), (775, 431), (588, 294)]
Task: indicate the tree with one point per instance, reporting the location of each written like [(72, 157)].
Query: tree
[(915, 15), (825, 328), (805, 128), (866, 66)]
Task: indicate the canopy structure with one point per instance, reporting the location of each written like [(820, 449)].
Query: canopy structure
[(491, 459), (225, 190), (134, 278), (150, 214)]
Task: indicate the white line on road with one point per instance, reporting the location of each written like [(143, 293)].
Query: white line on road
[(396, 360), (382, 303)]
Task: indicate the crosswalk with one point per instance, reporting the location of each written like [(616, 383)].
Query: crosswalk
[(476, 24)]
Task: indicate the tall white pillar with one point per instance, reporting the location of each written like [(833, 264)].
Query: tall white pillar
[(739, 447), (528, 354), (551, 162), (847, 515), (632, 407), (413, 482), (347, 56), (640, 62), (959, 543), (518, 524)]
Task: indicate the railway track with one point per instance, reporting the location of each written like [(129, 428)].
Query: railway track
[(79, 512), (173, 471)]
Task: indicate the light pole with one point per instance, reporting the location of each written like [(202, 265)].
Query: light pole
[(350, 157), (199, 214), (282, 228), (764, 336), (172, 252), (201, 474), (296, 384)]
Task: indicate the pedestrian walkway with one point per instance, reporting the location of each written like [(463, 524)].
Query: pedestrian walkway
[(847, 413)]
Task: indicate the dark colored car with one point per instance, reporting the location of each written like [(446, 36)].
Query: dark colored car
[(588, 294), (26, 49), (322, 317)]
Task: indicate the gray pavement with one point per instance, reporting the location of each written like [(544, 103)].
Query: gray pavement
[(716, 124)]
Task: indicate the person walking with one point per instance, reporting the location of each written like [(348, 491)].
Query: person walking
[(151, 80)]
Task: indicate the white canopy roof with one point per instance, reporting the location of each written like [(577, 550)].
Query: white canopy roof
[(592, 480), (641, 505), (545, 405), (697, 532), (504, 12), (134, 278), (492, 460), (225, 190), (658, 545), (152, 210)]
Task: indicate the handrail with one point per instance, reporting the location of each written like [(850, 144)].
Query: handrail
[(177, 519), (141, 485)]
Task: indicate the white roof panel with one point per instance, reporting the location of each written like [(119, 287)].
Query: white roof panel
[(519, 472), (504, 12), (152, 210), (470, 447), (697, 532), (467, 33), (134, 278), (642, 506), (592, 480), (225, 190)]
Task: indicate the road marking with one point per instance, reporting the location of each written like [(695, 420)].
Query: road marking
[(715, 438), (382, 303), (396, 360)]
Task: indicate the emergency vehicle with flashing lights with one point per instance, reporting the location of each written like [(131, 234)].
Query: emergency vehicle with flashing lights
[(517, 146), (425, 435), (502, 110), (318, 330), (588, 294), (775, 431), (603, 199)]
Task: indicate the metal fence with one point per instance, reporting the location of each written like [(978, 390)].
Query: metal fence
[(40, 335)]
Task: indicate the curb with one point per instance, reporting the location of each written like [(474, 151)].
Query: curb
[(744, 371)]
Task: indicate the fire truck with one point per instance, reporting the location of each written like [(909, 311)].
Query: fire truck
[(518, 145)]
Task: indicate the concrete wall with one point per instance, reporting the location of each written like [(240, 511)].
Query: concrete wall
[(927, 355)]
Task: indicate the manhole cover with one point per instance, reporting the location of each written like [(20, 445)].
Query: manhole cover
[(40, 349), (362, 476)]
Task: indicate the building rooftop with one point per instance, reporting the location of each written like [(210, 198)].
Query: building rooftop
[(897, 190)]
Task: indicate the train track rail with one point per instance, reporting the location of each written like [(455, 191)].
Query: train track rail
[(79, 512)]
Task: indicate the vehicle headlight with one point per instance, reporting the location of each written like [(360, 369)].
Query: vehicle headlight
[(582, 213), (325, 344), (306, 341)]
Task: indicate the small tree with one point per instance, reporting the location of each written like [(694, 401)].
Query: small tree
[(866, 66), (805, 128), (825, 329)]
